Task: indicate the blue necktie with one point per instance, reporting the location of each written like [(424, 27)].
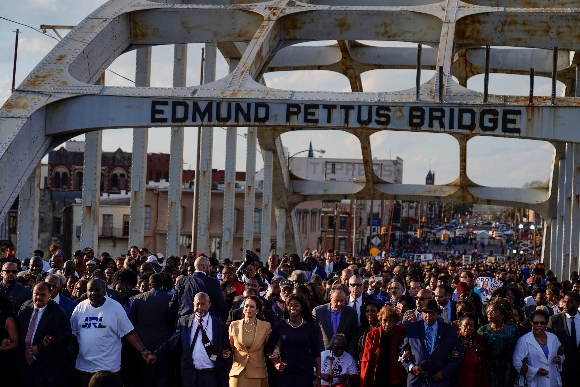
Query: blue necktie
[(428, 338), (334, 322)]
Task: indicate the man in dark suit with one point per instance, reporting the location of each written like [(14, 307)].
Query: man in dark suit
[(45, 341), (357, 298), (312, 264), (150, 317), (335, 317), (182, 301), (566, 326), (55, 285), (339, 262), (448, 307), (206, 359), (15, 292), (540, 299), (432, 350)]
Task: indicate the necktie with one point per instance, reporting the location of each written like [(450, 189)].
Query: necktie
[(573, 329), (334, 322), (207, 344), (28, 339), (445, 315), (354, 304), (428, 338)]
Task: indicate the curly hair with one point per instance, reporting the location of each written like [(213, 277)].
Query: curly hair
[(504, 306), (305, 312), (388, 311)]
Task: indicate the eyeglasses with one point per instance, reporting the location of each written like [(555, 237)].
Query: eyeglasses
[(539, 322), (355, 285), (10, 271)]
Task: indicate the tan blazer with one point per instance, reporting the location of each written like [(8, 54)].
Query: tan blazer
[(251, 359)]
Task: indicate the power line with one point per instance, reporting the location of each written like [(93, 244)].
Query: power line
[(32, 28), (50, 36)]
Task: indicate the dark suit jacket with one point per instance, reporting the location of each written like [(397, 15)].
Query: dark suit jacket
[(339, 266), (66, 304), (182, 301), (453, 311), (19, 295), (182, 336), (55, 360), (440, 358), (559, 327), (150, 316), (348, 326)]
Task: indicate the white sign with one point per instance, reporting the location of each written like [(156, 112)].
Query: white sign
[(424, 258), (486, 286), (467, 259)]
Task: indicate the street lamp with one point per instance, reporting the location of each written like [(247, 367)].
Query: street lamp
[(521, 227), (321, 151)]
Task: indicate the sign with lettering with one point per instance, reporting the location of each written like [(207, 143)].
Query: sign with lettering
[(487, 285), (430, 117)]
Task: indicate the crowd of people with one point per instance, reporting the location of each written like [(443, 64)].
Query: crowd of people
[(311, 320)]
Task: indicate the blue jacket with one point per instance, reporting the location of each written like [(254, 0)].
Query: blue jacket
[(66, 304)]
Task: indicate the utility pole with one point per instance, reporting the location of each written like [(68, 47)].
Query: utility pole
[(15, 60)]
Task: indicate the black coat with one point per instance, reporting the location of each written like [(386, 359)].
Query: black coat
[(182, 301), (55, 360)]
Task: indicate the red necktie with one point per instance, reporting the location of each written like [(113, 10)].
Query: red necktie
[(28, 339)]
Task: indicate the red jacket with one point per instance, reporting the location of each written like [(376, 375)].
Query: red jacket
[(370, 358)]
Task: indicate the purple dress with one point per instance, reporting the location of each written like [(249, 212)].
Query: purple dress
[(298, 349)]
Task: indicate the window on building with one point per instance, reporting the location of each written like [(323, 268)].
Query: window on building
[(115, 182), (64, 180), (122, 181), (331, 222), (57, 180), (342, 244), (157, 177), (102, 186), (126, 225), (313, 220), (166, 176), (79, 182), (147, 222), (342, 224), (150, 175), (107, 225), (257, 221), (333, 168), (321, 221), (56, 226)]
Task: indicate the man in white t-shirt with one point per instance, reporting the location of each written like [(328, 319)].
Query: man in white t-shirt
[(99, 323), (343, 364)]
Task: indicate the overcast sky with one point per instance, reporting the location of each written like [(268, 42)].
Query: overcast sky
[(493, 162)]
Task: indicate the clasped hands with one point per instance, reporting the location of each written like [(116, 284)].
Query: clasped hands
[(420, 372)]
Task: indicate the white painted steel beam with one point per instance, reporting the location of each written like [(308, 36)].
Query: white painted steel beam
[(280, 230), (567, 223), (229, 218), (91, 190), (139, 157), (267, 205), (174, 213), (28, 216), (250, 190), (205, 167)]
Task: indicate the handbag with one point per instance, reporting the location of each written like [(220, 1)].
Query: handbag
[(521, 380)]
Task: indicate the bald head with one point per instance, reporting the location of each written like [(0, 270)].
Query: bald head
[(202, 264)]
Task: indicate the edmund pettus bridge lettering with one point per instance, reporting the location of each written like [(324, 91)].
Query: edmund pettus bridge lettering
[(436, 117)]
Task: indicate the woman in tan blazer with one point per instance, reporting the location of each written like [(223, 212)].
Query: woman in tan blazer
[(248, 337)]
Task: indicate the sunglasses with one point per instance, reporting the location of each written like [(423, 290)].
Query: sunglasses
[(539, 323), (355, 285), (422, 298), (10, 271)]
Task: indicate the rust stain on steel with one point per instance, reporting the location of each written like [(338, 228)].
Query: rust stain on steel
[(38, 81), (343, 24), (61, 57), (18, 103), (142, 31)]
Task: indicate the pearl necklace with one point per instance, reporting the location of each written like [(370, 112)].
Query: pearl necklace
[(297, 326), (498, 329), (252, 325)]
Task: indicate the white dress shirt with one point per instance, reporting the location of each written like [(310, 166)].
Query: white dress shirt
[(576, 319), (199, 355)]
